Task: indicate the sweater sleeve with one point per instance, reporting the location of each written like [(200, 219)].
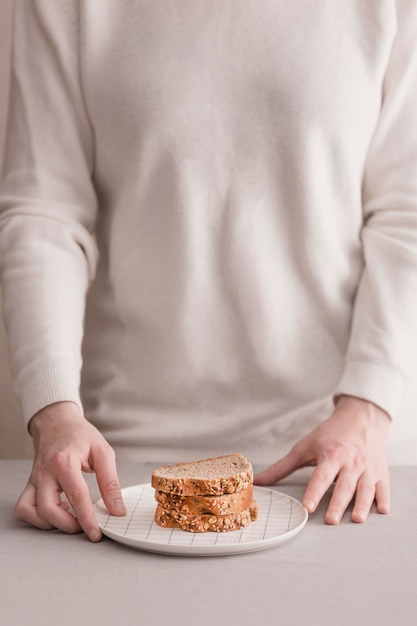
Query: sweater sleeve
[(383, 340), (47, 206)]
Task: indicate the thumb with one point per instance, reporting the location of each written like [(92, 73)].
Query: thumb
[(282, 468)]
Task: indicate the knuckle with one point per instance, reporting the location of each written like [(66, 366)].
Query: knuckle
[(20, 509), (59, 461), (358, 462), (367, 488), (45, 510), (37, 474), (112, 486), (383, 483), (104, 449), (297, 450), (321, 475), (334, 452), (344, 486), (110, 453), (75, 496), (24, 505)]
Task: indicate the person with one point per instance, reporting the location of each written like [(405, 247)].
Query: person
[(208, 229)]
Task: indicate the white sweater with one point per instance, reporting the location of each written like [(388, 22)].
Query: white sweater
[(240, 177)]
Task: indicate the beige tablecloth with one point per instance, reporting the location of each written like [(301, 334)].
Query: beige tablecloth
[(327, 575)]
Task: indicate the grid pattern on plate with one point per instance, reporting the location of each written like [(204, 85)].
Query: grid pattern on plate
[(278, 514)]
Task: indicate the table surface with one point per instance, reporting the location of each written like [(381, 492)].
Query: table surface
[(327, 575)]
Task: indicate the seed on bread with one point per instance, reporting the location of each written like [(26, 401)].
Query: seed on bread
[(211, 495), (213, 476), (202, 523), (217, 505)]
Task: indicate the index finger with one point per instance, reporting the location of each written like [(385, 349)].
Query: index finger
[(282, 468), (320, 481), (104, 465)]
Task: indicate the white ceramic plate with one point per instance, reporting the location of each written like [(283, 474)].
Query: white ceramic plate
[(280, 518)]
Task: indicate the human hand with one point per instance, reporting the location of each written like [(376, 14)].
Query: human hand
[(348, 448), (66, 445)]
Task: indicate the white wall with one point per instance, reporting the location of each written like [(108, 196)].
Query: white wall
[(14, 442)]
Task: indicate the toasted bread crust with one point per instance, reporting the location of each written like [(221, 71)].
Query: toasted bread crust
[(206, 505), (205, 523), (214, 476)]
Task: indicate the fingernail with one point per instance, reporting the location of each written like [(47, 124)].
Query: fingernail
[(333, 518), (94, 535), (309, 505), (119, 505), (358, 516)]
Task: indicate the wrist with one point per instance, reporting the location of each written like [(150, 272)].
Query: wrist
[(365, 407), (51, 413)]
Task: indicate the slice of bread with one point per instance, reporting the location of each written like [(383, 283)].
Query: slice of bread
[(206, 505), (205, 523), (215, 476)]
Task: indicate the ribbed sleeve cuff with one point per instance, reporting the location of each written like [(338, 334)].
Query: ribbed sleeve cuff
[(58, 384), (374, 383)]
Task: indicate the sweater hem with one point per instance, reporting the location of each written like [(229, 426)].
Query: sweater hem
[(378, 385)]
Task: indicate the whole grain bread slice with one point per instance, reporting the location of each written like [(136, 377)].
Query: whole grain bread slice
[(214, 476), (205, 523), (206, 505)]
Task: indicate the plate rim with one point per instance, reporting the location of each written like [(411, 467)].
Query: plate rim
[(225, 549)]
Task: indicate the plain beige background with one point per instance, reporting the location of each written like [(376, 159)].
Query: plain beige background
[(14, 441)]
